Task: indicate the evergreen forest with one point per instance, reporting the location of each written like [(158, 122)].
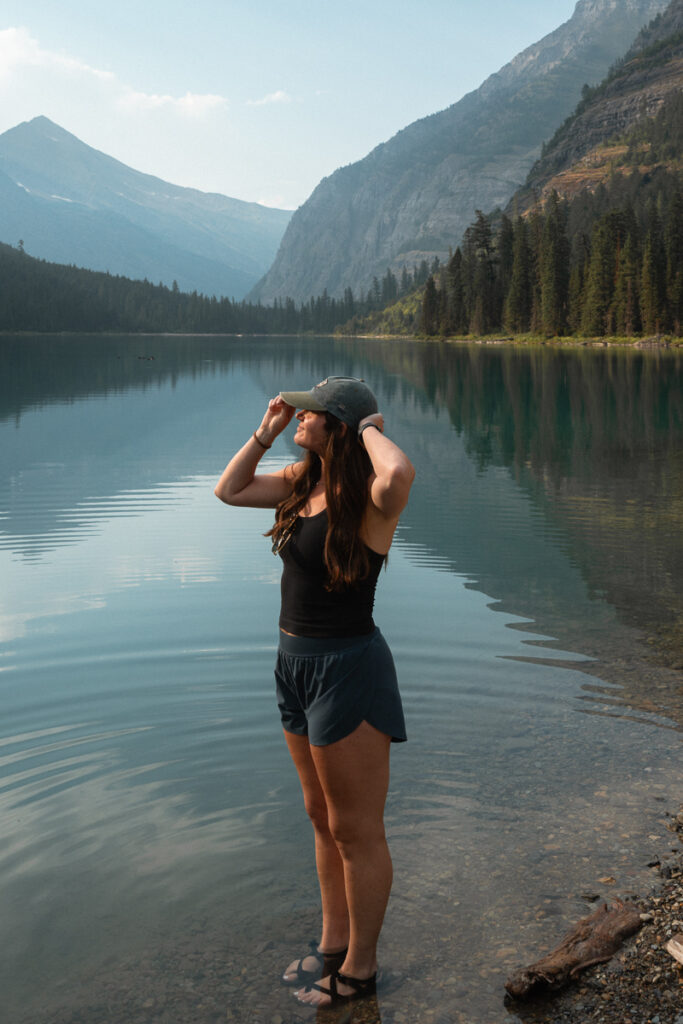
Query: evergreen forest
[(605, 261), (40, 296)]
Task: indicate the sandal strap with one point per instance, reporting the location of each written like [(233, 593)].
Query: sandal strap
[(302, 974), (359, 984), (361, 987), (324, 960)]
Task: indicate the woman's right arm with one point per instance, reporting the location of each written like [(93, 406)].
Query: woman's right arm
[(240, 484)]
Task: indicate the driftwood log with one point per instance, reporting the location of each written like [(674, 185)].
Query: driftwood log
[(594, 940)]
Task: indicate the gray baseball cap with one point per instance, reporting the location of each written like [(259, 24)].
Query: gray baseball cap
[(347, 398)]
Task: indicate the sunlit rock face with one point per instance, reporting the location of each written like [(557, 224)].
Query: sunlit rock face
[(412, 197)]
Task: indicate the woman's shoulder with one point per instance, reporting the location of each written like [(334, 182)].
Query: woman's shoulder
[(293, 471)]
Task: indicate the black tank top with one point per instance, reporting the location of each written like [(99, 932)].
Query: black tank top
[(308, 609)]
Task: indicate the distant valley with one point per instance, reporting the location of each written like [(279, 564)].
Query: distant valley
[(417, 197), (69, 203)]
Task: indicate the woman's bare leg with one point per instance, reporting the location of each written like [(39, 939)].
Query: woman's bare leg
[(354, 777), (330, 868)]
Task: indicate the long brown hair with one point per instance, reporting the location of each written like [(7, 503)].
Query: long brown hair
[(346, 469)]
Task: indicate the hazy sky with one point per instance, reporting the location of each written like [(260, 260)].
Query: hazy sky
[(257, 100)]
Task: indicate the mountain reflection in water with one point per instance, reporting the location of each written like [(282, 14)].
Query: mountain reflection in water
[(154, 855)]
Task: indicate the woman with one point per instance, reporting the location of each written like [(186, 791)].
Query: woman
[(337, 511)]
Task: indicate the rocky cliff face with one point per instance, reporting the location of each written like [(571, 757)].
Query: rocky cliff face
[(413, 196), (650, 72)]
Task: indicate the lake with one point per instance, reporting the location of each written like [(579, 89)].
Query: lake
[(156, 864)]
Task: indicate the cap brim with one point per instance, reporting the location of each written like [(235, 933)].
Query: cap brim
[(302, 400)]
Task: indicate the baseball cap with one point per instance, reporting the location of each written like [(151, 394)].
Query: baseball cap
[(347, 398)]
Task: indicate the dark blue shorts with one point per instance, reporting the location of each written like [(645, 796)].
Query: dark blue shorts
[(327, 686)]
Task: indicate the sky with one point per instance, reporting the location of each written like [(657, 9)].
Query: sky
[(257, 100)]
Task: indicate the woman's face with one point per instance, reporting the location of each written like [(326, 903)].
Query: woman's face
[(312, 432)]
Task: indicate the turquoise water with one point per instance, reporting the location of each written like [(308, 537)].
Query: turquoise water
[(155, 860)]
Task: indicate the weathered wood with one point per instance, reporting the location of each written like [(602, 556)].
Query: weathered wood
[(675, 947), (593, 940)]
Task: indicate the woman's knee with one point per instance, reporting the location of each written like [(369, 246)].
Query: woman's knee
[(316, 809), (353, 835)]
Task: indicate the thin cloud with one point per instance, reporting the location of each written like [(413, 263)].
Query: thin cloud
[(18, 49), (21, 56), (273, 97), (189, 105)]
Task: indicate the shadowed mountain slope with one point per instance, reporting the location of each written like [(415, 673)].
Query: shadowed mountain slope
[(587, 149), (413, 196), (72, 204)]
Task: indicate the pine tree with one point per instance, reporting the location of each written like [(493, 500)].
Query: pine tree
[(554, 269), (653, 306), (600, 276), (517, 308), (674, 257), (575, 293), (479, 277), (650, 289), (625, 313), (506, 254), (430, 307), (457, 319), (389, 288)]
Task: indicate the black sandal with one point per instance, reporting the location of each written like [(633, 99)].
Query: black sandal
[(362, 988), (328, 963)]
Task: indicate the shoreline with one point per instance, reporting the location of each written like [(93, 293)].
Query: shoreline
[(642, 983), (656, 342), (653, 343)]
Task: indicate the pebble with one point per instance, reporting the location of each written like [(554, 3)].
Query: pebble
[(642, 978)]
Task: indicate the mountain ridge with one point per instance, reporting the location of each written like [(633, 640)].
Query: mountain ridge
[(71, 203), (637, 86), (412, 196)]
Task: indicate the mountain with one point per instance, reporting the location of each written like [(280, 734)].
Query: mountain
[(70, 203), (587, 148), (413, 196), (591, 246)]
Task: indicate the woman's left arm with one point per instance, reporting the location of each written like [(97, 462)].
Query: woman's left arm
[(394, 472)]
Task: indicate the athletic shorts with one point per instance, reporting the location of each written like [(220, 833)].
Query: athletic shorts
[(327, 686)]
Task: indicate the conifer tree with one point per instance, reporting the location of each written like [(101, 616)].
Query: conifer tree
[(479, 278), (457, 319), (506, 249), (517, 308), (624, 313), (674, 256), (574, 301), (599, 283), (651, 312), (535, 231), (430, 307), (554, 269)]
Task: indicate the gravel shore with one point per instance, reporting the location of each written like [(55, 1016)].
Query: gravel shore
[(642, 983)]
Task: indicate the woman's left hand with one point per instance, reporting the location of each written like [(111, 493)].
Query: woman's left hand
[(376, 419)]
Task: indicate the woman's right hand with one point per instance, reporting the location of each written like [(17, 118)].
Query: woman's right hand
[(240, 484), (277, 417)]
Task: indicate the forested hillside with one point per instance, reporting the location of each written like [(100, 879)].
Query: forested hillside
[(590, 246), (40, 296), (413, 196)]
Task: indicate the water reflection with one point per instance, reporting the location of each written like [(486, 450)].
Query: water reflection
[(153, 844), (593, 438)]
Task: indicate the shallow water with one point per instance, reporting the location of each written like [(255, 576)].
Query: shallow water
[(155, 860)]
